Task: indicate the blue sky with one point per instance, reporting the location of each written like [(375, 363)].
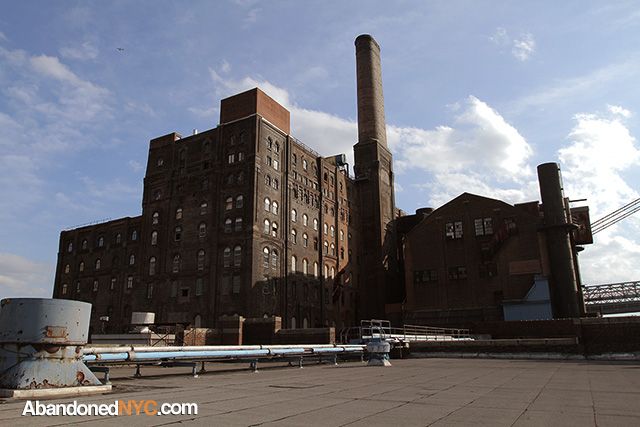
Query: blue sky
[(477, 94)]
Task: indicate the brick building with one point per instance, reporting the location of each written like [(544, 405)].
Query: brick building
[(245, 219), (241, 219)]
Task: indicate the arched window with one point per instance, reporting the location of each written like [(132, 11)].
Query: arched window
[(341, 235), (294, 215), (267, 180), (237, 256), (238, 224), (177, 235), (228, 203), (294, 236), (325, 228), (100, 241), (274, 229), (305, 220), (227, 225), (275, 183), (341, 253), (267, 226), (267, 204), (176, 263), (67, 269), (202, 229), (333, 249), (305, 240), (326, 271), (333, 273), (179, 213), (240, 179), (265, 257), (332, 230), (98, 264), (274, 258), (230, 179), (152, 266), (154, 238), (294, 263), (326, 247), (70, 247), (132, 259), (315, 224), (64, 288), (200, 259), (276, 147), (239, 201), (197, 320), (305, 266), (203, 208), (84, 244), (305, 323), (227, 257), (134, 235), (304, 164), (155, 218), (315, 270), (274, 207), (118, 238), (293, 319)]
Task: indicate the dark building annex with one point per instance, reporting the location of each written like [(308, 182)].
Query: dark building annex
[(245, 219)]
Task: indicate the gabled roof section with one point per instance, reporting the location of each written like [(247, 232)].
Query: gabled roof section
[(449, 208)]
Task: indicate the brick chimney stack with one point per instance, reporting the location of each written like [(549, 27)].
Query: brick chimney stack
[(371, 123)]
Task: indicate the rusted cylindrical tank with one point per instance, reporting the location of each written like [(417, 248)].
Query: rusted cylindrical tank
[(41, 343)]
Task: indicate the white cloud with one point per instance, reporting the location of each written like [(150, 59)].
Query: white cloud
[(599, 148), (500, 37), (571, 89), (482, 140), (598, 151), (2, 36), (522, 47), (135, 166), (225, 67), (22, 277), (84, 51), (618, 110)]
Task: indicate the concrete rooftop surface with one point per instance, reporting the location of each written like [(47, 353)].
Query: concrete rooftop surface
[(412, 392)]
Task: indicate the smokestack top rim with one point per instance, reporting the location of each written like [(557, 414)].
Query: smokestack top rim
[(366, 38)]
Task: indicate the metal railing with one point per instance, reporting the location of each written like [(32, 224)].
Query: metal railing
[(382, 329)]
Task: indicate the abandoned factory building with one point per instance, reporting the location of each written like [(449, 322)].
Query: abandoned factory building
[(245, 219)]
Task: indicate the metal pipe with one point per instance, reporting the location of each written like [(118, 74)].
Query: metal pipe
[(141, 349), (212, 352)]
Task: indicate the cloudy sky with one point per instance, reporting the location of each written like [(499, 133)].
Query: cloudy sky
[(477, 95)]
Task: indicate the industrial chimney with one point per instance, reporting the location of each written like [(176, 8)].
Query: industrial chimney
[(371, 123)]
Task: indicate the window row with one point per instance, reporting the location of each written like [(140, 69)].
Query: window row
[(175, 268), (271, 182), (233, 179), (227, 258), (232, 225), (273, 162), (100, 242), (235, 157), (273, 146), (270, 206), (270, 254), (305, 266), (239, 202), (270, 228), (305, 219), (305, 196), (112, 285)]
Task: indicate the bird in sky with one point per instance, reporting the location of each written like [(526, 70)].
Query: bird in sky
[(120, 49)]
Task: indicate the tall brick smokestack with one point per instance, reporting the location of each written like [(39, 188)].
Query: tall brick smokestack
[(565, 298), (371, 123)]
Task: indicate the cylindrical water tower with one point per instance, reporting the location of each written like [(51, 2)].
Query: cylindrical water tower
[(41, 343)]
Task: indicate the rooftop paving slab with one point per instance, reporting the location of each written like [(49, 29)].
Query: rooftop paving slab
[(412, 392)]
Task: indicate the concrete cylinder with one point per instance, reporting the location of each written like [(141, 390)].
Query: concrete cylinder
[(40, 343), (557, 228), (371, 121)]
